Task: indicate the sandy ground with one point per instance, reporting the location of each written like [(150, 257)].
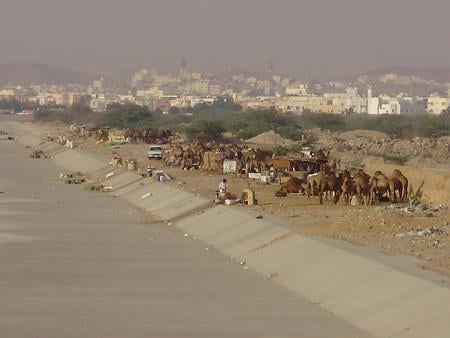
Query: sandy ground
[(109, 271), (387, 229)]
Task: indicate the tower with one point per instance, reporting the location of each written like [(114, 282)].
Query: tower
[(183, 70), (270, 78)]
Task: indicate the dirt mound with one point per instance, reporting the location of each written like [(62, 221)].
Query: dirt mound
[(420, 152), (270, 138), (370, 134)]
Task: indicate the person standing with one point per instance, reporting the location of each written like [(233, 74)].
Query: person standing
[(149, 172)]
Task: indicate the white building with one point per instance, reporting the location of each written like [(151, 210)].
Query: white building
[(99, 102), (436, 104), (399, 105), (297, 90), (350, 101), (389, 106), (373, 103)]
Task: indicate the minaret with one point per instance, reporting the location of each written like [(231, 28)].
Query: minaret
[(270, 77), (183, 70)]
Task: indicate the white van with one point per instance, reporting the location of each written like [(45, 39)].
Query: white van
[(155, 152)]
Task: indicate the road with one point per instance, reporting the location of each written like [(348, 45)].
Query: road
[(83, 264)]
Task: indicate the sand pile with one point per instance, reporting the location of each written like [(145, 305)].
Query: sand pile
[(270, 138)]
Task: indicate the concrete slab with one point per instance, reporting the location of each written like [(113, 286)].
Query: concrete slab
[(439, 324), (121, 179), (130, 188), (28, 140), (73, 160), (240, 248), (169, 203), (378, 299), (48, 147), (135, 196), (209, 224)]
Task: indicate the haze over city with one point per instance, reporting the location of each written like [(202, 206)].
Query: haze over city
[(232, 168), (314, 39)]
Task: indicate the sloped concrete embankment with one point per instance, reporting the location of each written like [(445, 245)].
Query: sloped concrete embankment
[(374, 297)]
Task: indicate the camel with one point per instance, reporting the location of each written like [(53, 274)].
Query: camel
[(398, 182), (361, 186), (173, 156), (317, 182), (334, 184), (292, 186), (347, 190), (379, 186)]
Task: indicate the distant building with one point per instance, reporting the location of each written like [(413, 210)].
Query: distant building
[(199, 87), (373, 103), (196, 76), (348, 102), (297, 90), (299, 104), (98, 85), (142, 78), (162, 103), (436, 104), (388, 77), (412, 106), (389, 106), (99, 102), (215, 90)]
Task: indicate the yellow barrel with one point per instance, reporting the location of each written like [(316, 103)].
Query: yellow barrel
[(132, 165)]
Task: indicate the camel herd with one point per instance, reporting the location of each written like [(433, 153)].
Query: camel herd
[(326, 182), (345, 186), (320, 178), (148, 136), (192, 156)]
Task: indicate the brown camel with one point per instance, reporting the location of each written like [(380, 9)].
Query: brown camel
[(334, 185), (317, 182), (347, 190), (292, 186), (398, 182), (361, 186), (379, 186)]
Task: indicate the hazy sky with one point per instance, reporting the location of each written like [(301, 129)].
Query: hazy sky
[(314, 38)]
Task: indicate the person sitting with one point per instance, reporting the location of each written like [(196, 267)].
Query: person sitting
[(223, 188)]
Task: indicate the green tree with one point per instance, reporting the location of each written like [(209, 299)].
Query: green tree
[(126, 116), (209, 130)]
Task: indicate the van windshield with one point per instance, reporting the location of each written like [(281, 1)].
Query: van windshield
[(155, 149)]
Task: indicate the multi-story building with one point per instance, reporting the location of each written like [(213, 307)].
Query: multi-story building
[(99, 102), (412, 105), (436, 104), (215, 90), (299, 89), (390, 106), (200, 87), (299, 104), (373, 103), (142, 78)]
